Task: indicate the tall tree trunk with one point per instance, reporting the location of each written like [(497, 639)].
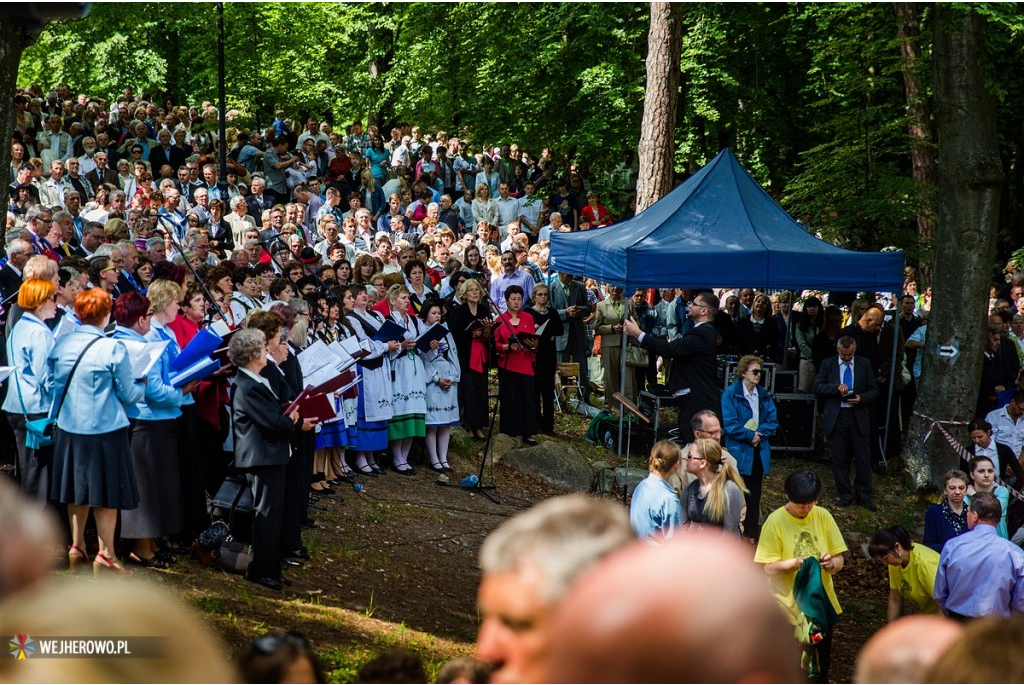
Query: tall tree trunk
[(970, 178), (382, 52), (658, 127), (13, 40), (922, 154)]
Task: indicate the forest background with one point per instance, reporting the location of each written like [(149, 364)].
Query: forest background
[(827, 105)]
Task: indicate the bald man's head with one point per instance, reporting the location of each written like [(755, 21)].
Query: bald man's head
[(871, 320), (696, 609), (903, 651)]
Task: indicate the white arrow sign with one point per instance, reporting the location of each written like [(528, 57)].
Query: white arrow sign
[(950, 351)]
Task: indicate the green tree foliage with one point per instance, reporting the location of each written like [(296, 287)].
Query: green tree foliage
[(810, 96), (854, 184)]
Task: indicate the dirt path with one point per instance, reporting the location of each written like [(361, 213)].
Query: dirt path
[(395, 565)]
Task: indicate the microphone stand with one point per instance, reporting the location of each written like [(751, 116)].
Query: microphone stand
[(181, 250)]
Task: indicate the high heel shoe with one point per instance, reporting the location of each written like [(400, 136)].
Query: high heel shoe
[(103, 564), (77, 558)]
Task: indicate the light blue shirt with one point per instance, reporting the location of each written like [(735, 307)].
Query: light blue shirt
[(918, 336), (980, 574), (162, 401), (519, 277), (101, 388), (1003, 495), (157, 333), (27, 351), (492, 182), (655, 511)]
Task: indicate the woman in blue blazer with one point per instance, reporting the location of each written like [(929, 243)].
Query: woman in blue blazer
[(746, 434)]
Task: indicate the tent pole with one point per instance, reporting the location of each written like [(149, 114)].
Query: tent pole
[(622, 411), (892, 384)]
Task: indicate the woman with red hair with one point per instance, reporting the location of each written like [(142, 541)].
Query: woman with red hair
[(92, 463), (29, 392)]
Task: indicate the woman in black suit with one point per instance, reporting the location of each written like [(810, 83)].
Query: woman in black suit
[(262, 435), (546, 360), (474, 348)]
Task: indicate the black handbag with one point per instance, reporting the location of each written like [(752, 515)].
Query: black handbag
[(233, 555), (39, 432)]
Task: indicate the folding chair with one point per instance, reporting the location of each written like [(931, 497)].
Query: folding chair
[(568, 377)]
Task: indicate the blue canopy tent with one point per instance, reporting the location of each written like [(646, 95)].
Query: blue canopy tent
[(720, 228)]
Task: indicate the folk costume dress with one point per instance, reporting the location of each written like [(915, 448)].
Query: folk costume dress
[(409, 384), (442, 405), (374, 409), (340, 432)]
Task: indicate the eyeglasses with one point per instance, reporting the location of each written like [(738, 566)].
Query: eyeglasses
[(756, 372)]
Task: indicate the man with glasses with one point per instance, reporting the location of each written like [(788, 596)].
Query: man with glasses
[(92, 237), (705, 426), (692, 378), (39, 221)]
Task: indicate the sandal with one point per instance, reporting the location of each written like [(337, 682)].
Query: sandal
[(77, 558), (103, 564)]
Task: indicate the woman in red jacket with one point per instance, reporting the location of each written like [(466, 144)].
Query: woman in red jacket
[(516, 390)]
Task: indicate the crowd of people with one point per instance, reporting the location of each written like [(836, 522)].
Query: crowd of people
[(121, 232), (570, 595)]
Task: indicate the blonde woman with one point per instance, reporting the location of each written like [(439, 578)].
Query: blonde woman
[(484, 208), (716, 497), (655, 512)]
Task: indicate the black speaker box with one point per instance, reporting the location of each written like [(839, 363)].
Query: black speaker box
[(798, 415)]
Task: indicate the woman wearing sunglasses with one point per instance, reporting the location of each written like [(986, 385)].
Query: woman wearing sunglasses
[(749, 419)]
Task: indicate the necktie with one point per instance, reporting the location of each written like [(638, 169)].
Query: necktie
[(848, 375)]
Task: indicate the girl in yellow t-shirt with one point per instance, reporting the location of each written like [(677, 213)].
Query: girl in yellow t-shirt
[(912, 570)]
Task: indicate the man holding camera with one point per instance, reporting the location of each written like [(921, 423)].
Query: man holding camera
[(846, 387)]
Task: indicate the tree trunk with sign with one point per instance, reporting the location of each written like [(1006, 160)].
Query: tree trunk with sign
[(969, 180)]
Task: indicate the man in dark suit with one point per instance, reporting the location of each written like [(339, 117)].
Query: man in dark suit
[(257, 200), (692, 378), (846, 387), (262, 436), (18, 252), (165, 153), (102, 173), (569, 300)]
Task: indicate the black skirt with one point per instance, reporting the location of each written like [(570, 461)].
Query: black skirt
[(94, 470), (518, 397), (154, 446), (473, 396)]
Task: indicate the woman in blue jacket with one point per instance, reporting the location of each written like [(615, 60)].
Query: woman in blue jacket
[(92, 462), (749, 418)]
